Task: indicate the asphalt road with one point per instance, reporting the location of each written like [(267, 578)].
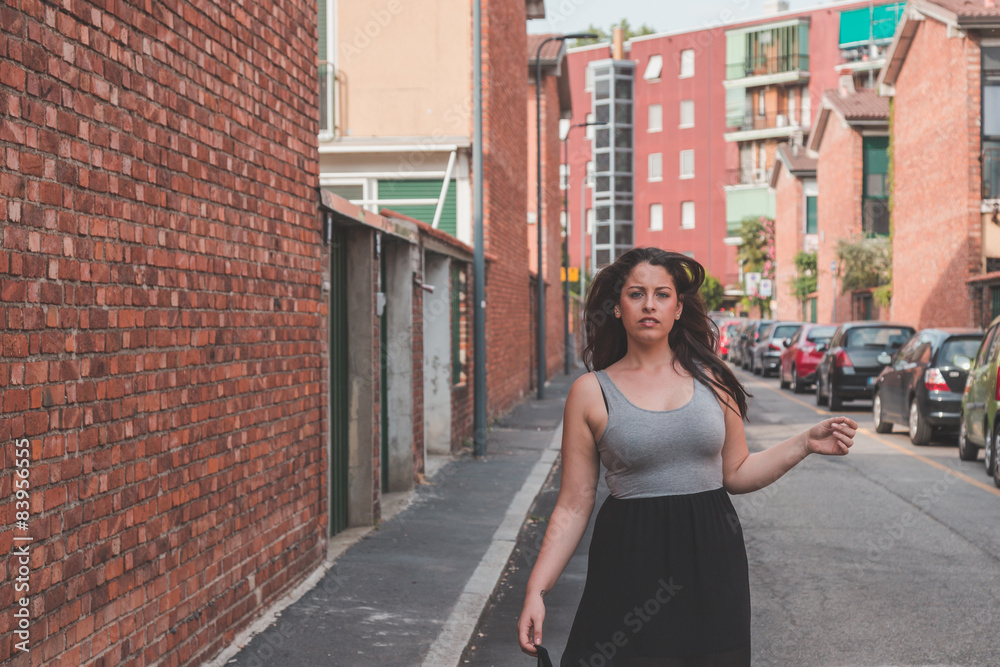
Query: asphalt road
[(889, 556)]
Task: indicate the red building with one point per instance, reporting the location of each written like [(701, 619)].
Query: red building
[(706, 130)]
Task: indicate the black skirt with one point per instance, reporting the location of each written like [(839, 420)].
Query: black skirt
[(667, 585)]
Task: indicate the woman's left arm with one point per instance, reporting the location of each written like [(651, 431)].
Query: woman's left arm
[(743, 472)]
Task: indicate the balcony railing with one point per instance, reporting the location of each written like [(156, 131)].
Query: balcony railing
[(770, 120), (991, 173), (796, 62), (327, 97), (747, 176)]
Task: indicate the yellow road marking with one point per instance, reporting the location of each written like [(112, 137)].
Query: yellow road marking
[(990, 488)]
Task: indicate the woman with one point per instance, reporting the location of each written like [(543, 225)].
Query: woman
[(667, 577)]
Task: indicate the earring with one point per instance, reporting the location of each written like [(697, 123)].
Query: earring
[(617, 313), (677, 316)]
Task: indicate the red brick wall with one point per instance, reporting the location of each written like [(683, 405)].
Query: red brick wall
[(838, 210), (505, 66), (936, 219), (788, 226), (163, 321)]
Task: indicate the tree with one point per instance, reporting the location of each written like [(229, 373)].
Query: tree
[(865, 262), (756, 255), (805, 282), (605, 35), (711, 292)]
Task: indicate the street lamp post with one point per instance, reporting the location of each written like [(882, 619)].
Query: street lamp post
[(538, 177), (566, 339)]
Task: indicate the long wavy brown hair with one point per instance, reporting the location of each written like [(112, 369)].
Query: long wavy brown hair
[(693, 338)]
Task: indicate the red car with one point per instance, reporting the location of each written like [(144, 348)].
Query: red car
[(800, 358), (727, 329)]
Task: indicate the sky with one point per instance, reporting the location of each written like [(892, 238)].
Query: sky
[(564, 16)]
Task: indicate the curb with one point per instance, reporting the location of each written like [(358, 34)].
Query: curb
[(457, 631)]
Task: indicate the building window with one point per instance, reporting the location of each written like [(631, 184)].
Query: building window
[(564, 177), (563, 128), (806, 104), (588, 130), (792, 118), (761, 104), (811, 215), (991, 122), (655, 117), (687, 164), (687, 113), (563, 220), (653, 68), (875, 199), (687, 215), (656, 166), (688, 253), (655, 217), (687, 63)]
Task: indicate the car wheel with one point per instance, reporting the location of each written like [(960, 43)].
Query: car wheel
[(881, 425), (836, 402), (996, 468), (797, 385), (966, 450), (820, 398), (990, 453), (920, 430)]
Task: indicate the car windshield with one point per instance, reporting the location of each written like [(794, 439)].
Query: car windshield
[(785, 330), (823, 334), (966, 347), (876, 337)]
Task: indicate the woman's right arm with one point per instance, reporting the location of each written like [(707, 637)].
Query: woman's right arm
[(577, 491)]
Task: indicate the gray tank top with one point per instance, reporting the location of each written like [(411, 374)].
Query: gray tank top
[(651, 453)]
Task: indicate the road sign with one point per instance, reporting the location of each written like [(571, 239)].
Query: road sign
[(764, 289), (752, 282)]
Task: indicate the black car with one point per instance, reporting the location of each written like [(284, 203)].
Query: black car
[(747, 342), (922, 384), (850, 364), (773, 341)]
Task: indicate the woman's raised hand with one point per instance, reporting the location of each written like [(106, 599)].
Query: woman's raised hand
[(832, 437)]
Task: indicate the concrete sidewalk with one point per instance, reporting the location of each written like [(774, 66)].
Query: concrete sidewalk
[(412, 591)]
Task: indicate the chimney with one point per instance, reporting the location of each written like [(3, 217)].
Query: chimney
[(618, 43), (846, 85), (775, 6)]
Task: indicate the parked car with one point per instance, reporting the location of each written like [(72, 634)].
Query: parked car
[(773, 340), (978, 427), (747, 344), (736, 343), (922, 385), (849, 365), (800, 358), (728, 334)]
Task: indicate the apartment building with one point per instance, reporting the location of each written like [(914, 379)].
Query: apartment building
[(710, 108), (942, 73)]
